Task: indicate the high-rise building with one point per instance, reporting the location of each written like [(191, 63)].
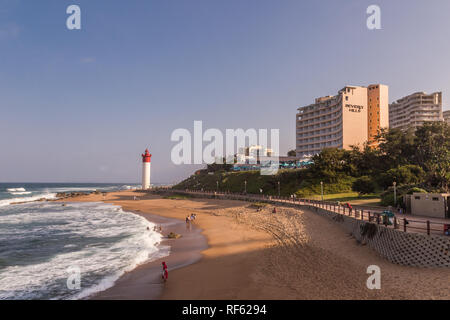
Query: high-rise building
[(446, 115), (414, 110), (378, 110), (348, 118)]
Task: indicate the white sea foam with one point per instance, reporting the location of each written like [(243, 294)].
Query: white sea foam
[(101, 239), (16, 190), (47, 196), (129, 187)]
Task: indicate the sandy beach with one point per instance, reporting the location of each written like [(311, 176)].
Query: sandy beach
[(235, 252)]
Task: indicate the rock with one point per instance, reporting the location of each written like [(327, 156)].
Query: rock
[(173, 235)]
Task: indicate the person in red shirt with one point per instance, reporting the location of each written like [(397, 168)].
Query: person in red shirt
[(165, 273), (349, 206)]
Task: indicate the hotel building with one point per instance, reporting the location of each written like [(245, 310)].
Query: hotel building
[(446, 116), (352, 117), (378, 110), (414, 110)]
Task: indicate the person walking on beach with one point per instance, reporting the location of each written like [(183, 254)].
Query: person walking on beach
[(188, 223), (165, 273)]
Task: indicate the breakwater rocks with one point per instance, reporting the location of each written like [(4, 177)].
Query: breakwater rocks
[(65, 195)]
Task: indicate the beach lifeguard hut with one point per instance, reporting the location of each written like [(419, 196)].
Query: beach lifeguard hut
[(146, 166)]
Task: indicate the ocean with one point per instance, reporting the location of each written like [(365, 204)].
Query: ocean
[(53, 251)]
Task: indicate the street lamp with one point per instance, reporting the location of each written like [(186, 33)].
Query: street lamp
[(279, 193), (321, 188), (245, 186), (395, 193)]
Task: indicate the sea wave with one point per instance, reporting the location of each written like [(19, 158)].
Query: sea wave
[(16, 190), (129, 187), (88, 189), (102, 240), (46, 196)]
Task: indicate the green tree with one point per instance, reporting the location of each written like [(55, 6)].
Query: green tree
[(291, 153), (407, 174), (364, 185), (329, 164), (397, 147), (364, 161), (432, 143), (216, 167)]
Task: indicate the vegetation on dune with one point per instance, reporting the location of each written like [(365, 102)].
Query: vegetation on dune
[(291, 153), (417, 161), (177, 197), (296, 181)]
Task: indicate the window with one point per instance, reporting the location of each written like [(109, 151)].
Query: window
[(417, 197), (435, 199)]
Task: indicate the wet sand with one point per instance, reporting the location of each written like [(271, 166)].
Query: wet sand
[(294, 254), (145, 282)]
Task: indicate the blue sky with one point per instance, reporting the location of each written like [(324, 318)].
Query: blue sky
[(81, 106)]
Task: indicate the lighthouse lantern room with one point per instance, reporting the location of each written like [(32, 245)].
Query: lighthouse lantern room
[(146, 158)]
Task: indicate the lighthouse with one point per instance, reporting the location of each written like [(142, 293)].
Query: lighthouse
[(146, 157)]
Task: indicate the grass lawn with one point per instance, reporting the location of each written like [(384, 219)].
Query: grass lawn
[(351, 197)]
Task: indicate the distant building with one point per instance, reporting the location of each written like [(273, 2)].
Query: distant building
[(253, 154), (283, 163), (414, 110), (352, 117), (446, 115)]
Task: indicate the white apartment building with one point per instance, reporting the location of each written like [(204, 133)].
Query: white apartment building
[(414, 110), (446, 116), (342, 120)]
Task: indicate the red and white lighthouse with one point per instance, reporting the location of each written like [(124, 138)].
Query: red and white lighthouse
[(146, 158)]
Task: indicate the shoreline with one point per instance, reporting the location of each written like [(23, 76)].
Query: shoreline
[(144, 281), (251, 253), (223, 239)]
